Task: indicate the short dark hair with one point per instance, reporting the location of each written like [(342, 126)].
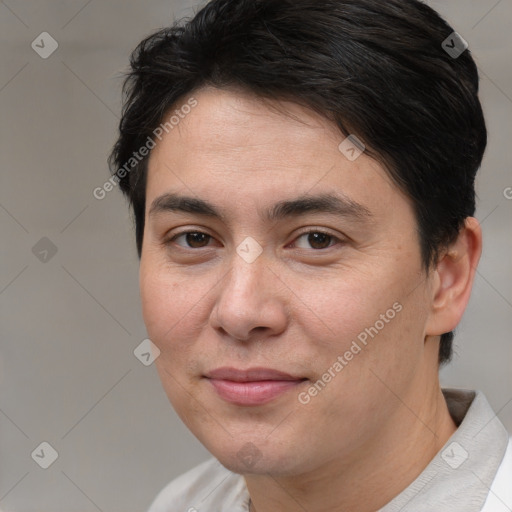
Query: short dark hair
[(376, 69)]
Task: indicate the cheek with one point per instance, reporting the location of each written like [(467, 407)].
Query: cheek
[(372, 317), (158, 299), (345, 306), (176, 309), (168, 304)]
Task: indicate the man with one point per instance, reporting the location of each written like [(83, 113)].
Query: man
[(302, 180)]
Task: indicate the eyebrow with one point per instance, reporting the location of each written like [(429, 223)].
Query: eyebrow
[(322, 203)]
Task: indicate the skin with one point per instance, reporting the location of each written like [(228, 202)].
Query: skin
[(377, 424)]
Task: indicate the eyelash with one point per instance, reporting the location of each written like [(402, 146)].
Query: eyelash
[(173, 238)]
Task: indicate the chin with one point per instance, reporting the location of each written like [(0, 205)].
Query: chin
[(251, 457)]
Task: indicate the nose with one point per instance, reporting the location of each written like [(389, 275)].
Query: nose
[(251, 301)]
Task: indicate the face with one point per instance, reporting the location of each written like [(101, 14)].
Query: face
[(281, 330)]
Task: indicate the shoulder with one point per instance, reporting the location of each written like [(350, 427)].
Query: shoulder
[(500, 495), (208, 486)]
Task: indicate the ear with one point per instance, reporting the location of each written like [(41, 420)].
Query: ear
[(453, 279)]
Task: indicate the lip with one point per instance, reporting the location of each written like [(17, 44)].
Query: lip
[(249, 374), (252, 386)]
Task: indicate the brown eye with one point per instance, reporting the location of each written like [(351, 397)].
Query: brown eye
[(194, 239), (317, 239)]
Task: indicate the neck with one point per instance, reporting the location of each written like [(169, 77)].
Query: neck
[(385, 466)]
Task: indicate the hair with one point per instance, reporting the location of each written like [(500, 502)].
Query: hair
[(375, 69)]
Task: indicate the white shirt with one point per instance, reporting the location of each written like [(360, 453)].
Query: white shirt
[(471, 473), (499, 498)]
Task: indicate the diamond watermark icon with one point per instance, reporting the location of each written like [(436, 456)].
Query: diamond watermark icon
[(249, 454), (249, 249), (454, 455), (44, 250), (146, 352), (44, 45), (352, 147), (45, 455), (454, 45)]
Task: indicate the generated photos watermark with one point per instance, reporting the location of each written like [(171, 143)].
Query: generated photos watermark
[(173, 121), (342, 361)]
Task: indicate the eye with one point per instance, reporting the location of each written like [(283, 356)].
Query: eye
[(194, 239), (317, 239)]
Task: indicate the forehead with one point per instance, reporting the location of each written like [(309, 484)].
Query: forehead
[(236, 146), (227, 122)]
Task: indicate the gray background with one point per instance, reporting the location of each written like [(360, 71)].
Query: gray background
[(68, 375)]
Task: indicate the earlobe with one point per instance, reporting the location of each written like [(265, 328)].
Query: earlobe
[(454, 277)]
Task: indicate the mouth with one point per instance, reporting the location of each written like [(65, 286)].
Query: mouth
[(253, 386)]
